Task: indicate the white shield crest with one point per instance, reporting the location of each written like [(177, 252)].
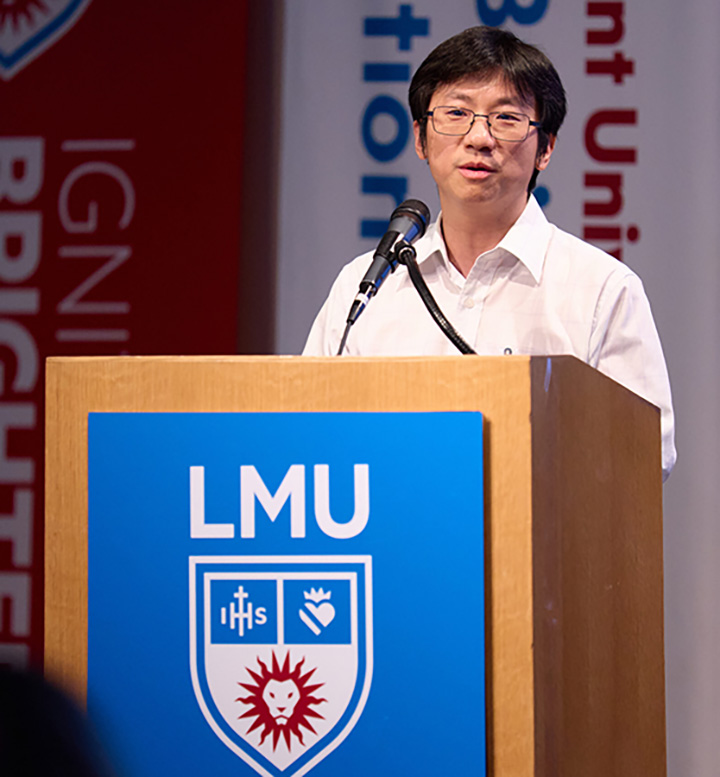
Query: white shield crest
[(28, 27), (281, 654)]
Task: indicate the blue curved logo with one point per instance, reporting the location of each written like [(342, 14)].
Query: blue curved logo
[(522, 14), (28, 27)]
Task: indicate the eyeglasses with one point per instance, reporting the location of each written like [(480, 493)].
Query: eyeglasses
[(504, 125)]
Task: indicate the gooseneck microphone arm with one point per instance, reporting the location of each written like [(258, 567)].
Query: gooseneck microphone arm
[(407, 223)]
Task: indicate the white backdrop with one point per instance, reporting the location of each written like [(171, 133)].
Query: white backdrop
[(671, 196)]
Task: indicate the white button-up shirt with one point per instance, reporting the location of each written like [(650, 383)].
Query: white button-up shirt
[(540, 291)]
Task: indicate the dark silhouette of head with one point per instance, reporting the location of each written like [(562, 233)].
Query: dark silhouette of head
[(42, 732)]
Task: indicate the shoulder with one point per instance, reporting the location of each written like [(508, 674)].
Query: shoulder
[(576, 261), (351, 274), (326, 331), (565, 244)]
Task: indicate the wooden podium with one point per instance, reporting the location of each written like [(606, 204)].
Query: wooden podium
[(573, 547)]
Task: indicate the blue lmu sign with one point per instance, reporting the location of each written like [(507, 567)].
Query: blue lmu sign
[(279, 594)]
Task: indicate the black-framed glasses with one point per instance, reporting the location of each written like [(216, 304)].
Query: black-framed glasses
[(502, 125)]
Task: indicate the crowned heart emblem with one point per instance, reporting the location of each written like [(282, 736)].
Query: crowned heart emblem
[(321, 612), (324, 613)]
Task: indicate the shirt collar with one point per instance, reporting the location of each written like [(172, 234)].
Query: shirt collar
[(527, 240)]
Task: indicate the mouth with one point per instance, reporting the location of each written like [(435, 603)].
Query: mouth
[(476, 170)]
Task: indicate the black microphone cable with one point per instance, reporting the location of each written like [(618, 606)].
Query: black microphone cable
[(406, 255)]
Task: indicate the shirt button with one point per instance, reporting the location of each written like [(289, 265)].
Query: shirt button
[(469, 302)]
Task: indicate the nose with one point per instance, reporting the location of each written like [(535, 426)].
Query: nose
[(479, 134)]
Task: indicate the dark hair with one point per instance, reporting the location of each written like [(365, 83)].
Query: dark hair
[(43, 732), (485, 52)]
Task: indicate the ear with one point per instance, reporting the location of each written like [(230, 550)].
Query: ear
[(419, 145), (543, 160)]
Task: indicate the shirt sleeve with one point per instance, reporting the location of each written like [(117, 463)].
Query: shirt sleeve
[(625, 346)]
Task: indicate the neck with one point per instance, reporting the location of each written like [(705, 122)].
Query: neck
[(471, 231)]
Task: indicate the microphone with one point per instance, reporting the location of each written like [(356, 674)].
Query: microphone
[(407, 223)]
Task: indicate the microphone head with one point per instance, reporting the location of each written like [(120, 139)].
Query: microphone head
[(416, 208), (411, 219)]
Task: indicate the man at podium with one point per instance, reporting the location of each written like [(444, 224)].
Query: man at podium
[(487, 109)]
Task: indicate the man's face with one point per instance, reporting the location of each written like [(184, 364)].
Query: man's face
[(477, 168)]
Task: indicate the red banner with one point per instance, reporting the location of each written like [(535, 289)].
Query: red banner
[(120, 193)]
